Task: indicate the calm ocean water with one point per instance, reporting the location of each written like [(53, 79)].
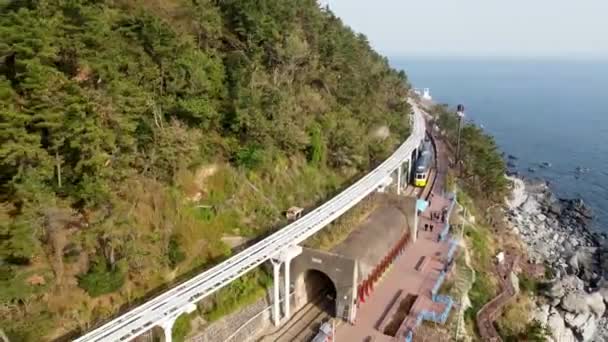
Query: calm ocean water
[(539, 111)]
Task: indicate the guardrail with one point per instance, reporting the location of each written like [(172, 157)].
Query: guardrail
[(442, 317), (409, 336), (446, 229), (426, 315), (452, 250), (437, 285)]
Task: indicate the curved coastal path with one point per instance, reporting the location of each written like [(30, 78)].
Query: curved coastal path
[(489, 312)]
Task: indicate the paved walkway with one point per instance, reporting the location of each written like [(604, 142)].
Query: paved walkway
[(403, 276)]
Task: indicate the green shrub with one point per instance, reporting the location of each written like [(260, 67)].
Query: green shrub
[(534, 332), (175, 252), (250, 157), (317, 149), (101, 278), (528, 284)]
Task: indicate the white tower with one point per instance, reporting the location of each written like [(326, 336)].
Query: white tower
[(426, 94), (323, 3)]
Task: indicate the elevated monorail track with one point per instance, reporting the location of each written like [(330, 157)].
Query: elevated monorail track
[(163, 309)]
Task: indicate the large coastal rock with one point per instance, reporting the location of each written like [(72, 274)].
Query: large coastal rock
[(596, 303), (587, 331), (541, 314), (583, 263), (576, 321), (575, 302), (603, 289), (558, 329)]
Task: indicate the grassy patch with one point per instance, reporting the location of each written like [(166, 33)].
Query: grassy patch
[(241, 292), (533, 331), (513, 324), (30, 330), (529, 285), (339, 230), (483, 290), (482, 247), (182, 327)]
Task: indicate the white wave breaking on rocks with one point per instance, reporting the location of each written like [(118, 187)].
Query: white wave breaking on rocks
[(556, 232)]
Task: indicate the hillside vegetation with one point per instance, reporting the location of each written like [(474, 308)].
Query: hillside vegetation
[(481, 169), (136, 134)]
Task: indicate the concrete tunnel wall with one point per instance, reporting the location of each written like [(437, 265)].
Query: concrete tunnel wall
[(340, 270), (377, 234), (353, 260)]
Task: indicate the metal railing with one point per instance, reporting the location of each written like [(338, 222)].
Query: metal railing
[(437, 285), (446, 229), (452, 250)]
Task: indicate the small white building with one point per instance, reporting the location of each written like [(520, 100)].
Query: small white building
[(500, 257)]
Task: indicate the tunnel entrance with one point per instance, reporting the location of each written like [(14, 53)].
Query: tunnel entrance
[(315, 273), (321, 291)]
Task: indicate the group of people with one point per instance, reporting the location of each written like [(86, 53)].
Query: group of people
[(439, 216)]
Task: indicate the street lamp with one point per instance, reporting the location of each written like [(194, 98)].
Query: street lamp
[(460, 113)]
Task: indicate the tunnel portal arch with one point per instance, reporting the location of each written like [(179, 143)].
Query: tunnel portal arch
[(314, 271), (320, 288)]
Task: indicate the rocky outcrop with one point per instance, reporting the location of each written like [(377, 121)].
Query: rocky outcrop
[(596, 304), (575, 302), (557, 233)]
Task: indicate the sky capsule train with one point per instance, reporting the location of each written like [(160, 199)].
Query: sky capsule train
[(423, 164)]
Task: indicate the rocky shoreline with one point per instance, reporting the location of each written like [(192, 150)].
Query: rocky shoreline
[(556, 232)]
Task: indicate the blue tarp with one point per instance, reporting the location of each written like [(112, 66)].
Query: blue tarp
[(421, 205)]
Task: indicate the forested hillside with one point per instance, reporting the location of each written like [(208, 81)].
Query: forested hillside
[(138, 137)]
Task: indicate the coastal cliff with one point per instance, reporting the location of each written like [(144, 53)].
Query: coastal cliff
[(572, 301)]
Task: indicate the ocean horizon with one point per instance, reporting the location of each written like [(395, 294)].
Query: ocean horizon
[(539, 110)]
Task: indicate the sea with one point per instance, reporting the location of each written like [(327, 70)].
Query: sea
[(540, 111)]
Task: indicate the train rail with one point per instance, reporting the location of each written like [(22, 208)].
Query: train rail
[(302, 327)]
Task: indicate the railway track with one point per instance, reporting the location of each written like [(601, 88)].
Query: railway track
[(304, 324)]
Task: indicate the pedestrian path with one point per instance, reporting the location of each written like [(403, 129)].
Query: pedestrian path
[(415, 273)]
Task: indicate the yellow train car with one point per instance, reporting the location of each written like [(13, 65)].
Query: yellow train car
[(423, 165), (421, 179)]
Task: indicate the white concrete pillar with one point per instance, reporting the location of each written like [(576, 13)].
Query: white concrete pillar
[(399, 180), (286, 298), (276, 268), (414, 159), (167, 327), (409, 167)]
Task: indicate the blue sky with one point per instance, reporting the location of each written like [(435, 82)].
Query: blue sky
[(576, 29)]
